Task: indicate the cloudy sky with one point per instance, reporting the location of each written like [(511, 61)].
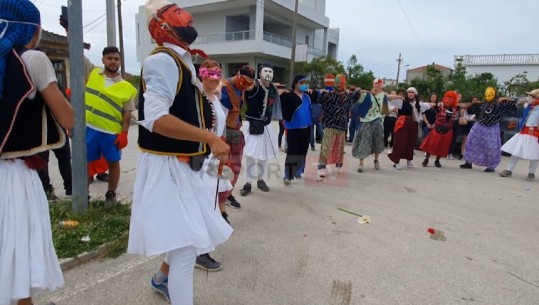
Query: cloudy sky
[(376, 31)]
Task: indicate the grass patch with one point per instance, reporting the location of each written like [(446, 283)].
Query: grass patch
[(100, 223)]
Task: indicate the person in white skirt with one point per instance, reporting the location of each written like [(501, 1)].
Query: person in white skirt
[(173, 207), (263, 104), (32, 112), (525, 144)]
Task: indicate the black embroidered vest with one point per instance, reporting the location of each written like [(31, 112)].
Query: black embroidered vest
[(27, 127), (189, 106)]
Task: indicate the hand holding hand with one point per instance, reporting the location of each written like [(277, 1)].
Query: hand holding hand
[(219, 149)]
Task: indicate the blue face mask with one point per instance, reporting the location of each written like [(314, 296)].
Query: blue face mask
[(303, 87)]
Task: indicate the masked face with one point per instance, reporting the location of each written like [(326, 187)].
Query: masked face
[(266, 74), (243, 82), (490, 93), (303, 87), (340, 83)]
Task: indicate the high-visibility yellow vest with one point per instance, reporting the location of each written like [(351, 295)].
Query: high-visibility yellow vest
[(104, 105)]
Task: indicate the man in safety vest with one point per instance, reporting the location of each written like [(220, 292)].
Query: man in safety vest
[(109, 102)]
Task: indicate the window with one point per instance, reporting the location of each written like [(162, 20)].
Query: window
[(59, 69)]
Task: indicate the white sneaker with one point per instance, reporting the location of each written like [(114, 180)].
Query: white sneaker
[(409, 164), (450, 157), (397, 166)]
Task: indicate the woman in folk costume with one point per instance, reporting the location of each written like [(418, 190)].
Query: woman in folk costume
[(483, 143), (406, 127), (263, 105), (438, 141), (32, 109), (176, 134), (525, 144), (335, 108)]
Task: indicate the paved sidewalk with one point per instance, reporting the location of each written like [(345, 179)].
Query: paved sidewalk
[(292, 246)]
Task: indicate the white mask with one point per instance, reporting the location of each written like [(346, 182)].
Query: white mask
[(266, 74)]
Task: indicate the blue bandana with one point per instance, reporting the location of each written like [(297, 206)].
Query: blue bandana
[(18, 22)]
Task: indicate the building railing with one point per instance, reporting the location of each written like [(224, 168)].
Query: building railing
[(502, 59), (250, 35)]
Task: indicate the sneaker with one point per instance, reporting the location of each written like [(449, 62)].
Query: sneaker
[(262, 185), (231, 201), (102, 177), (488, 170), (467, 166), (409, 164), (425, 162), (450, 157), (161, 288), (312, 148), (397, 166), (506, 173), (286, 181), (530, 177), (437, 163), (110, 197), (376, 165), (246, 189), (206, 262), (225, 217), (360, 168)]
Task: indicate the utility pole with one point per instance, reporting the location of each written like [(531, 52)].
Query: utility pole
[(399, 61), (79, 169), (121, 34), (111, 24), (293, 56)]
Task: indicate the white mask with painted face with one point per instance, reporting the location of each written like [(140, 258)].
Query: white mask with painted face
[(266, 74)]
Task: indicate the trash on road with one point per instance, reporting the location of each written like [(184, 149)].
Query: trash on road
[(69, 224), (436, 234), (363, 219)]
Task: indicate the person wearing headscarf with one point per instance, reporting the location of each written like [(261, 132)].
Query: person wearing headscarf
[(483, 144), (32, 112), (406, 127), (173, 213), (525, 144), (336, 106), (370, 137), (296, 106), (263, 105), (438, 140)]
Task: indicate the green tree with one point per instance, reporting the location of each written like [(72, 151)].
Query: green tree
[(318, 67)]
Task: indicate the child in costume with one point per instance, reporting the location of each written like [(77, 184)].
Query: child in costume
[(438, 141), (525, 144)]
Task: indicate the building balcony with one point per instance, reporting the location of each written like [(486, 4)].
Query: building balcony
[(502, 59), (220, 41)]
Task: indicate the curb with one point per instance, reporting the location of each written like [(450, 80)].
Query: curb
[(83, 258)]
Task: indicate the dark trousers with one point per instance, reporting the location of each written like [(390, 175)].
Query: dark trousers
[(456, 133), (316, 136), (63, 154), (389, 125), (281, 133), (354, 123), (298, 145)]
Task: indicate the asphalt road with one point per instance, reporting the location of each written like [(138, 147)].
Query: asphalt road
[(293, 246)]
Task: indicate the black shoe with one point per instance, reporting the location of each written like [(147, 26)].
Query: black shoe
[(460, 157), (466, 165), (110, 197), (262, 186), (437, 163), (246, 189), (225, 217), (102, 177), (488, 170), (425, 162), (312, 148), (51, 197), (231, 201), (69, 192), (205, 262)]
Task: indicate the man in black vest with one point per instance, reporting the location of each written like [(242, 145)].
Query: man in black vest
[(263, 104), (173, 212)]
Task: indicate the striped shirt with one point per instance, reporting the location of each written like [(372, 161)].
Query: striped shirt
[(492, 113)]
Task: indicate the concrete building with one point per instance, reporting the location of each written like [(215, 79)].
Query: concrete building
[(503, 66), (238, 32), (421, 72)]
